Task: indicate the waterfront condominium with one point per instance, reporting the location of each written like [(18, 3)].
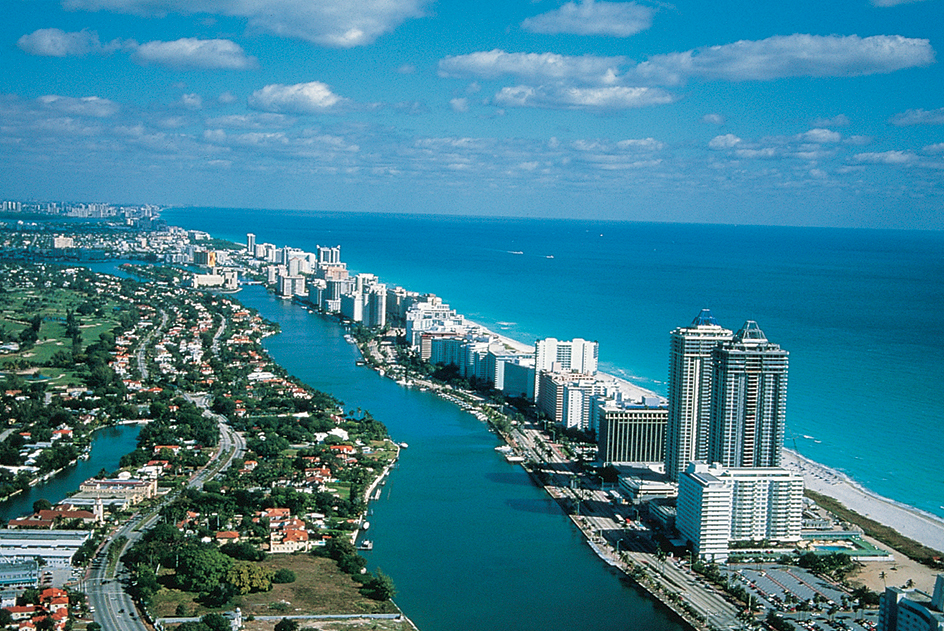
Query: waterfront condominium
[(749, 400), (719, 505), (690, 391), (555, 356)]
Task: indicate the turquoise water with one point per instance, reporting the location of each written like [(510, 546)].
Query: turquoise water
[(470, 542), (857, 309)]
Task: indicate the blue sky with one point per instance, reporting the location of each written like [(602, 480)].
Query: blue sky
[(793, 113)]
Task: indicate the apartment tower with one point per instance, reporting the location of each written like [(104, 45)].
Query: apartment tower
[(690, 391), (749, 400)]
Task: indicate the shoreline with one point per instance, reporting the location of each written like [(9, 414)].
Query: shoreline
[(914, 523), (921, 526)]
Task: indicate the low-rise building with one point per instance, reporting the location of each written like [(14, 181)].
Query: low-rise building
[(911, 609)]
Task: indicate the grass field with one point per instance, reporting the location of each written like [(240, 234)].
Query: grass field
[(319, 588)]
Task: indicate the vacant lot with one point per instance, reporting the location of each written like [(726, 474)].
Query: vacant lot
[(319, 588)]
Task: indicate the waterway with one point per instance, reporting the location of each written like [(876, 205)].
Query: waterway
[(109, 444), (470, 542)]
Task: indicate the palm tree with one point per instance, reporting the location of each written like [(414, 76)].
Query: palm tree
[(882, 576)]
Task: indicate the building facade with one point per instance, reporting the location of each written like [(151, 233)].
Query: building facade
[(912, 610), (629, 432), (690, 391), (719, 505), (749, 401)]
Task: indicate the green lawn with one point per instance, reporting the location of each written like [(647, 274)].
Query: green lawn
[(319, 588)]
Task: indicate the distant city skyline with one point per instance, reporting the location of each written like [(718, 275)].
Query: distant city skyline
[(774, 113)]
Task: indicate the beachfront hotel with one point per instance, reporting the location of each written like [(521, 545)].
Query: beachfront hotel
[(690, 391), (629, 431), (718, 505), (552, 355), (749, 401)]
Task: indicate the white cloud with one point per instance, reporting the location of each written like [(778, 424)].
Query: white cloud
[(788, 56), (560, 97), (892, 3), (407, 69), (459, 105), (301, 98), (884, 157), (821, 136), (641, 144), (334, 23), (617, 19), (713, 119), (858, 140), (192, 53), (919, 117), (252, 120), (723, 142), (54, 42), (587, 69), (933, 149), (85, 106), (836, 121), (191, 101)]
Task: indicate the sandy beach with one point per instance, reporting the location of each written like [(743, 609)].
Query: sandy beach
[(915, 524)]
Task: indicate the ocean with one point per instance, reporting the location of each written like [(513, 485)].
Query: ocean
[(857, 309)]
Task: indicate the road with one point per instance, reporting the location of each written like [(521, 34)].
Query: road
[(112, 607), (595, 515)]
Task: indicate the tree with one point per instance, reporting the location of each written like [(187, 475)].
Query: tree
[(284, 575), (249, 577), (216, 622), (200, 568), (41, 504), (286, 624), (380, 587)]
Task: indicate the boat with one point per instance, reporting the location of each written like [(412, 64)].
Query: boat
[(366, 525), (514, 459), (367, 544), (403, 445)]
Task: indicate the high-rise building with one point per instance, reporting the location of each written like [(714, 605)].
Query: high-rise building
[(629, 432), (551, 355), (749, 400), (719, 505), (251, 243), (690, 391)]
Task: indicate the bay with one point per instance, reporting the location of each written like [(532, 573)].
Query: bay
[(108, 445), (469, 540)]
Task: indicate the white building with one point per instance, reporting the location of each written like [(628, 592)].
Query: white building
[(912, 610), (431, 314), (552, 355), (718, 505), (54, 547), (690, 378)]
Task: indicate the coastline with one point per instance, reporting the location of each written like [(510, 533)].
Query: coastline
[(911, 522), (916, 524)]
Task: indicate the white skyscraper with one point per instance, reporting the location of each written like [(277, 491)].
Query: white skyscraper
[(690, 391)]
